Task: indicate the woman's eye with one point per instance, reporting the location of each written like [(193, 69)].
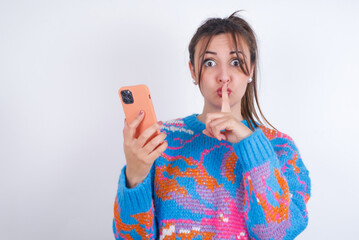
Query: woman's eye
[(236, 62), (209, 63)]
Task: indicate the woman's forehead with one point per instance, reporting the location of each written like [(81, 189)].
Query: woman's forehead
[(225, 40)]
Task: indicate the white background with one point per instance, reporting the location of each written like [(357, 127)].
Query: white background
[(61, 120)]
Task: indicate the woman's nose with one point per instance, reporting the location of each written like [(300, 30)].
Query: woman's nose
[(224, 80), (224, 75)]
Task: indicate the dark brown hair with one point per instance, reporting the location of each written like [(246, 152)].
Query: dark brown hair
[(239, 30)]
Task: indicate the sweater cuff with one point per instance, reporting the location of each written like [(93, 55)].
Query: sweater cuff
[(134, 200), (254, 150)]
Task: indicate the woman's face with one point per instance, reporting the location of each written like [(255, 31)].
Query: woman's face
[(220, 65)]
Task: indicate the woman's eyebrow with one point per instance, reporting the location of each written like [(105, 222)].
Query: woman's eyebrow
[(210, 52), (233, 52)]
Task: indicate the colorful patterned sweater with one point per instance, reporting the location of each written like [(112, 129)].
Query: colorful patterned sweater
[(202, 188)]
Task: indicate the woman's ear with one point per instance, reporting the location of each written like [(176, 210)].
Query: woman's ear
[(193, 74), (252, 69)]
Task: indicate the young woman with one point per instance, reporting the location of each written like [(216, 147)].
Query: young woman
[(219, 174)]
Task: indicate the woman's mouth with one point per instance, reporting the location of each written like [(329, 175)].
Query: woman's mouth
[(219, 92)]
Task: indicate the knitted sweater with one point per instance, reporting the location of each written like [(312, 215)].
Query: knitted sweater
[(202, 188)]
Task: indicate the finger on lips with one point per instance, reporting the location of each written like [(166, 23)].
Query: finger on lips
[(218, 117), (225, 102)]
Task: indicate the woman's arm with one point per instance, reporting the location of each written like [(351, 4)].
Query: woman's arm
[(276, 183), (134, 216)]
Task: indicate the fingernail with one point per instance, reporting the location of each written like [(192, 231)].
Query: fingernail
[(141, 112), (160, 123)]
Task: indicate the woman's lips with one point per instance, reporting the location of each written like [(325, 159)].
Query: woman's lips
[(219, 92)]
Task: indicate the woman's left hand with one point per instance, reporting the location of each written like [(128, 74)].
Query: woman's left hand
[(234, 130)]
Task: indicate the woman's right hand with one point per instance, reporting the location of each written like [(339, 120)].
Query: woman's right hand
[(140, 156)]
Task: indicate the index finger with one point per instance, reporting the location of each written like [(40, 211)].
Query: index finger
[(130, 128), (225, 101)]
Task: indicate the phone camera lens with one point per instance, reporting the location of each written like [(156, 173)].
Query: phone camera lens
[(127, 97)]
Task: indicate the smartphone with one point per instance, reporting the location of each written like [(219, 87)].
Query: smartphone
[(134, 99)]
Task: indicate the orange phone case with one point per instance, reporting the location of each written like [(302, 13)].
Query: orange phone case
[(141, 101)]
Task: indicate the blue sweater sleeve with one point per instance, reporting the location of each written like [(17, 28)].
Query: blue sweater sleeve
[(277, 186), (134, 215)]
